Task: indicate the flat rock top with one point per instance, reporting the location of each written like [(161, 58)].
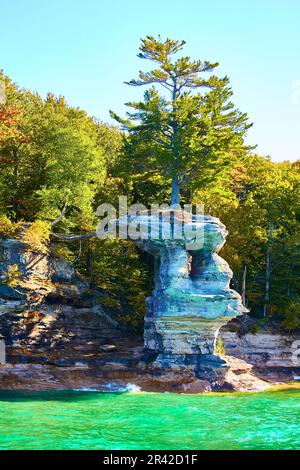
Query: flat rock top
[(171, 228)]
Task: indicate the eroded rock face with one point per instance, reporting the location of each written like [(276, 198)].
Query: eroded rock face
[(264, 349), (192, 298), (58, 335), (29, 262), (55, 331)]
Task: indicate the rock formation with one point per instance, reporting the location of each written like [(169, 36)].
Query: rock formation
[(58, 334), (192, 298)]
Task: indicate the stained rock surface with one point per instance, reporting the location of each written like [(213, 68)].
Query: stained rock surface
[(192, 299)]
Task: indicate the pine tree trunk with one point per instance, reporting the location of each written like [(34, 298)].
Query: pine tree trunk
[(175, 197), (244, 285), (268, 272), (15, 182)]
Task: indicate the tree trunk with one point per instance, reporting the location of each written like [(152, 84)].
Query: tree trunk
[(175, 197), (244, 286), (90, 264), (15, 182), (268, 272)]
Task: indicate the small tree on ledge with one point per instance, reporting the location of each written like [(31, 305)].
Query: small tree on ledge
[(189, 132)]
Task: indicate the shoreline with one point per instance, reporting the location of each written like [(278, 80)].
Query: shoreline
[(132, 388), (41, 377)]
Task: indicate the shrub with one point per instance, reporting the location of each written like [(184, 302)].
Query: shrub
[(63, 251), (122, 274), (13, 275), (37, 235), (219, 349), (291, 316), (8, 228)]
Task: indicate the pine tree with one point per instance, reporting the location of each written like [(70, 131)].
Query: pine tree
[(189, 132)]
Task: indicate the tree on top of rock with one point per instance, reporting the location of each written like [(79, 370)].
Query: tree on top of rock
[(189, 132)]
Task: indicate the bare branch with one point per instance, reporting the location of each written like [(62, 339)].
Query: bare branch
[(79, 252), (61, 216), (70, 237)]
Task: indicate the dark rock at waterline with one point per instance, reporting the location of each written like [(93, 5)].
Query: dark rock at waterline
[(8, 293), (108, 348)]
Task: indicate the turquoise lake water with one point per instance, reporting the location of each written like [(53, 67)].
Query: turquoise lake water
[(158, 421)]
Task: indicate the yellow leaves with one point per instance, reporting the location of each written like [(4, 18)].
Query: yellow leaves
[(37, 235), (8, 228), (219, 349), (13, 275)]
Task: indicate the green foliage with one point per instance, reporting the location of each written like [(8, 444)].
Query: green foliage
[(111, 140), (291, 313), (63, 251), (13, 275), (257, 193), (189, 134), (74, 163), (51, 157), (122, 273)]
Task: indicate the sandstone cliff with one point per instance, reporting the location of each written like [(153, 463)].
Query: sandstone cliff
[(58, 335)]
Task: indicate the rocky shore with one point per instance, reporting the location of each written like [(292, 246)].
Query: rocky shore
[(61, 346), (57, 335)]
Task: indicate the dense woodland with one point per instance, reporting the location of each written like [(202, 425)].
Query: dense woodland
[(58, 164)]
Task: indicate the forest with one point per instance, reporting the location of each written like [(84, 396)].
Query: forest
[(184, 144)]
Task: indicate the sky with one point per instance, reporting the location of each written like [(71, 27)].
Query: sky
[(85, 50)]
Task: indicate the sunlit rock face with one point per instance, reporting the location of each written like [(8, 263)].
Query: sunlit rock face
[(192, 298)]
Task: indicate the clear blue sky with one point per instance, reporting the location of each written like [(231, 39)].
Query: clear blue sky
[(85, 49)]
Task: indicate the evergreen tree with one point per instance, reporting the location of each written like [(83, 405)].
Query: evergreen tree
[(191, 131)]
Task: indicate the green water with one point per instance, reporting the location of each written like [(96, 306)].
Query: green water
[(97, 420)]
